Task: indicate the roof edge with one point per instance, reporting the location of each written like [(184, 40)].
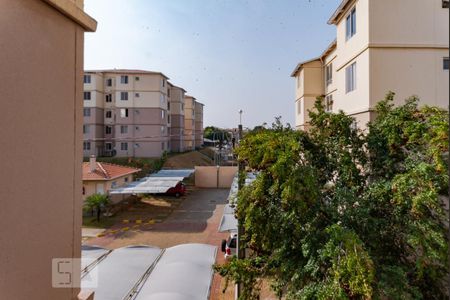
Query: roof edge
[(338, 12), (75, 13), (300, 64)]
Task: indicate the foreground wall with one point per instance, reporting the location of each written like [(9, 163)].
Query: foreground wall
[(41, 128)]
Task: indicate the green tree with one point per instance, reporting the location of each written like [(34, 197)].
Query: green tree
[(96, 202), (336, 213)]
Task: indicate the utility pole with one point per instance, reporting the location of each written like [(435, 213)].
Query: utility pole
[(240, 248)]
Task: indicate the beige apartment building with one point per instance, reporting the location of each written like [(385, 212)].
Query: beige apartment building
[(126, 113), (176, 118), (381, 45), (41, 81), (198, 123), (189, 122)]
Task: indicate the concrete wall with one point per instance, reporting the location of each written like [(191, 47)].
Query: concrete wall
[(214, 177), (42, 91)]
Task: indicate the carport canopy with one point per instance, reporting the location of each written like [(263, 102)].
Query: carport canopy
[(156, 183)]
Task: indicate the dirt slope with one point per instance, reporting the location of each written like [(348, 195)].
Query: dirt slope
[(187, 160)]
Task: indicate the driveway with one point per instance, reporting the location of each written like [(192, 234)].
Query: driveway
[(195, 220)]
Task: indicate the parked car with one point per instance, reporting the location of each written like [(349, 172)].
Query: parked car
[(229, 245), (178, 190)]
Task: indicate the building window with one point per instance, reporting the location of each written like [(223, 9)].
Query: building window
[(108, 129), (86, 145), (168, 105), (136, 78), (123, 95), (123, 129), (124, 79), (162, 129), (86, 112), (124, 146), (329, 103), (445, 4), (108, 114), (109, 82), (162, 114), (446, 63), (329, 74), (108, 146), (124, 112), (113, 184), (163, 82), (87, 78), (350, 24), (350, 78), (137, 95), (108, 98), (87, 95), (168, 119), (126, 178), (168, 92), (299, 107), (136, 145), (85, 128)]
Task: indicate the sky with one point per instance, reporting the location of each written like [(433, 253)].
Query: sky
[(229, 54)]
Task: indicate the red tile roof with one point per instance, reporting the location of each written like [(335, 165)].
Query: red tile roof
[(106, 171)]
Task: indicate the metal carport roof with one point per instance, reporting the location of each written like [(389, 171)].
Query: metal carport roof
[(141, 272), (183, 272), (119, 273)]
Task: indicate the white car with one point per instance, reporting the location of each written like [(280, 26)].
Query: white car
[(229, 245)]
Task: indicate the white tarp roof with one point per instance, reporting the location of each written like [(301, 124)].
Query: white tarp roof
[(228, 223), (120, 271), (183, 272), (148, 185), (173, 173), (142, 272), (156, 183), (90, 255)]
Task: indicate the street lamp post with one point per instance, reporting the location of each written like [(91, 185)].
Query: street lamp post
[(240, 249)]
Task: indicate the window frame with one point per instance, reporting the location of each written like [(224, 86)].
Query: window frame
[(124, 113), (446, 63), (123, 97), (124, 146), (350, 24), (108, 114), (108, 129), (87, 95), (86, 111), (87, 79), (350, 78), (123, 129), (329, 74), (123, 79)]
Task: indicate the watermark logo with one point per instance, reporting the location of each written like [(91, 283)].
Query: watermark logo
[(67, 273)]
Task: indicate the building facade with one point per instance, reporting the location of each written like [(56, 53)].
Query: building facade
[(126, 113), (176, 117), (198, 124), (189, 123), (381, 46), (41, 73)]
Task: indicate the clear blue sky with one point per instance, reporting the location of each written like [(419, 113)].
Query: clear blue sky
[(229, 54)]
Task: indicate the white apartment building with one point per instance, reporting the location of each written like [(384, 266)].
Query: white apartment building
[(381, 46)]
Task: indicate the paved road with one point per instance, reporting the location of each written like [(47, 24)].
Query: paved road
[(195, 220)]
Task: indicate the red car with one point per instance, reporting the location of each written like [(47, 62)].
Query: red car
[(178, 190)]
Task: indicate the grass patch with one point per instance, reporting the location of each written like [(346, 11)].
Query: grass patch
[(105, 222)]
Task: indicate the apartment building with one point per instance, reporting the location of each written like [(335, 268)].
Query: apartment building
[(126, 113), (189, 122), (198, 124), (41, 81), (381, 45), (176, 118)]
